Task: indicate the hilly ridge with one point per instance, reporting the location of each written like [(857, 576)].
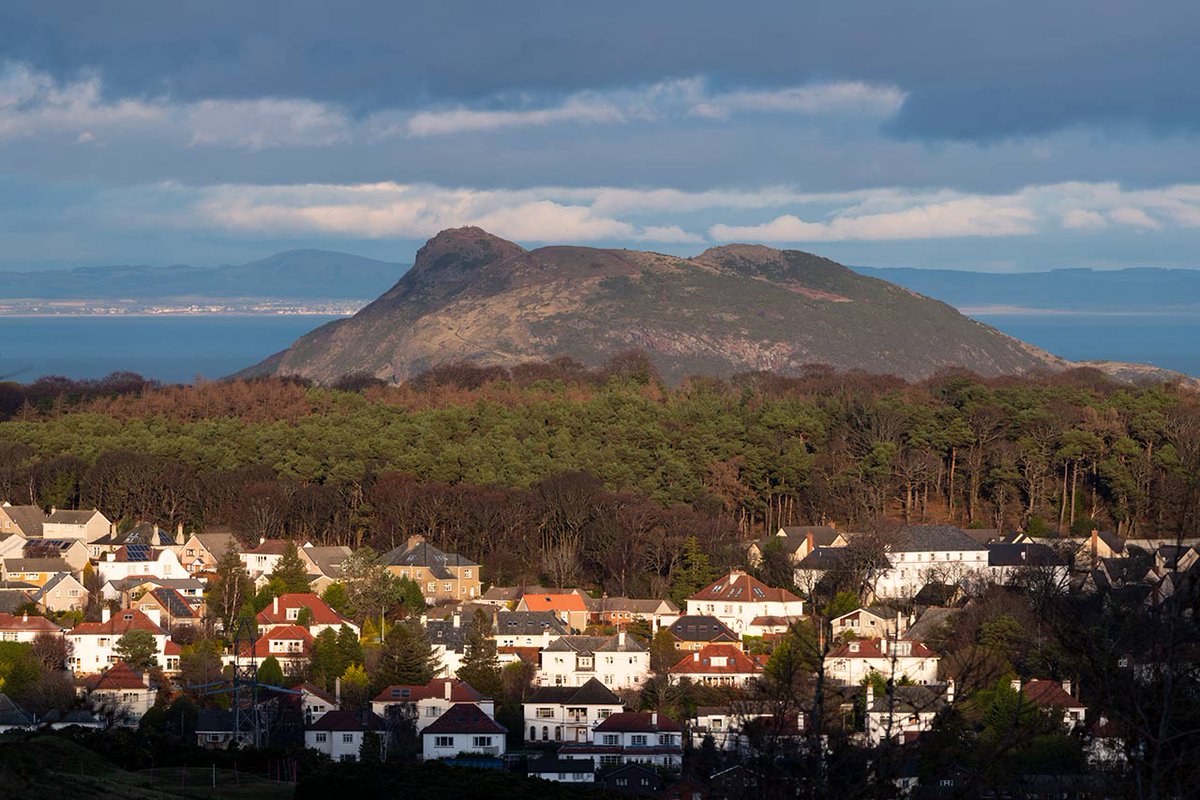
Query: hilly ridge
[(476, 297)]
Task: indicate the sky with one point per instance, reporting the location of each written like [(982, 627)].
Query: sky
[(994, 135)]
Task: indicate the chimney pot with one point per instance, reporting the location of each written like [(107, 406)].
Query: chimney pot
[(621, 639), (1016, 684), (809, 541), (337, 692), (654, 719), (25, 617), (457, 619), (1066, 684), (275, 605), (696, 655), (448, 688), (105, 614), (950, 690), (870, 695)]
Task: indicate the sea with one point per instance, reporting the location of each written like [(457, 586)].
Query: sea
[(178, 349)]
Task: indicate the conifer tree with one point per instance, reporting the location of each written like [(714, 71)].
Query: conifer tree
[(290, 573), (694, 573), (407, 656), (270, 672), (231, 588), (480, 667)]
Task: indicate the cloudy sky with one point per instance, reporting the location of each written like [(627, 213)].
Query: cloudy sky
[(990, 135)]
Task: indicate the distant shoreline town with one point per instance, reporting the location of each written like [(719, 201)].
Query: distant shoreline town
[(21, 307)]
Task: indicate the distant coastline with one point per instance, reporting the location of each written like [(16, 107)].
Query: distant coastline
[(190, 307), (1010, 310)]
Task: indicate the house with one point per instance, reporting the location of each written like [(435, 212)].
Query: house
[(509, 596), (315, 702), (56, 719), (463, 728), (12, 545), (568, 713), (740, 726), (24, 520), (930, 623), (13, 717), (686, 789), (26, 628), (15, 595), (738, 598), (619, 611), (852, 661), (324, 564), (634, 779), (260, 560), (1007, 561), (528, 628), (1054, 698), (717, 665), (737, 783), (570, 608), (922, 554), (1091, 550), (287, 608), (642, 737), (120, 684), (426, 704), (291, 645), (169, 607), (694, 632), (72, 551), (139, 560), (340, 734), (869, 623), (441, 576), (146, 533), (93, 643), (619, 662), (125, 590), (449, 640), (87, 526), (908, 712), (215, 729), (201, 551), (1175, 558), (797, 541), (828, 570), (33, 571), (560, 770), (63, 592)]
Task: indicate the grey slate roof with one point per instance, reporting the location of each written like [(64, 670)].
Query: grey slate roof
[(697, 628), (595, 644), (591, 693), (144, 533), (14, 597), (930, 620), (923, 538), (68, 517), (13, 714), (911, 700), (28, 519), (36, 565), (797, 537), (424, 554), (444, 632), (1023, 555), (50, 585), (529, 623)]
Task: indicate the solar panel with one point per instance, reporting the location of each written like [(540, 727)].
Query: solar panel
[(138, 552)]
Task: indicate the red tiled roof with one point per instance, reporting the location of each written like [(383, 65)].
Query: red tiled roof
[(464, 718), (271, 547), (637, 722), (554, 602), (348, 721), (742, 588), (172, 649), (118, 676), (322, 614), (700, 662), (1048, 694), (262, 645), (121, 622), (870, 648), (460, 692), (26, 622), (529, 655), (316, 691)]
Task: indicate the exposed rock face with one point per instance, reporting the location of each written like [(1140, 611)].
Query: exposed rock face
[(473, 296)]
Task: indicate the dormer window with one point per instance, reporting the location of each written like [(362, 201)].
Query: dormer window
[(854, 647), (293, 613)]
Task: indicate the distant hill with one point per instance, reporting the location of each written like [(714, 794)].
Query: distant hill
[(295, 274), (473, 296), (1134, 289)]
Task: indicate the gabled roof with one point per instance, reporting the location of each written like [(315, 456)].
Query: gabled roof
[(911, 700), (741, 587), (316, 691), (12, 714), (322, 613), (554, 602), (1023, 555), (119, 676), (348, 721), (508, 594), (28, 519), (826, 559), (930, 620), (269, 547), (591, 693), (873, 648), (215, 542), (1049, 694), (328, 560), (68, 517), (120, 623), (36, 565), (44, 546), (143, 533), (700, 628), (702, 662), (933, 538), (214, 720), (53, 584), (630, 605), (792, 537), (27, 622), (13, 597), (878, 612), (175, 603), (446, 633), (528, 623), (464, 718), (639, 722), (551, 766), (134, 553), (460, 692), (423, 554)]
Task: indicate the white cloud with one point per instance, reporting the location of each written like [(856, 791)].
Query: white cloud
[(1135, 217), (843, 97), (1082, 219)]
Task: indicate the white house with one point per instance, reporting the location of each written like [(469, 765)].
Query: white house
[(849, 663), (315, 702), (24, 628), (131, 690), (908, 712), (1054, 698), (561, 770), (93, 643), (736, 727), (85, 525), (139, 560), (568, 713), (286, 609), (869, 623), (340, 734), (924, 554), (619, 662), (717, 665), (528, 628), (261, 560), (642, 737), (426, 704), (739, 599), (464, 728)]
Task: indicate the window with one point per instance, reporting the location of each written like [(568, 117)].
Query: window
[(128, 697), (293, 613), (322, 738), (447, 587), (481, 741), (467, 573), (638, 740), (347, 738), (348, 758), (433, 712), (665, 738), (212, 737), (610, 739), (545, 713), (443, 741), (622, 781)]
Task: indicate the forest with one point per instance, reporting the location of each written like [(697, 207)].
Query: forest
[(555, 472)]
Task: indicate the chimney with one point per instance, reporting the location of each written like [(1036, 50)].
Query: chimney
[(870, 695), (949, 690), (833, 524), (545, 638), (448, 689), (696, 656), (179, 533), (337, 692), (621, 639), (809, 541), (1066, 684), (54, 508), (25, 616), (112, 528), (105, 614), (1016, 684), (262, 540), (654, 719), (456, 619), (413, 541), (155, 615), (1095, 548), (883, 645), (275, 605)]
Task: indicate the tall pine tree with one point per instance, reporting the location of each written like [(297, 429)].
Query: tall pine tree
[(480, 667), (407, 656), (290, 573), (231, 588), (694, 573)]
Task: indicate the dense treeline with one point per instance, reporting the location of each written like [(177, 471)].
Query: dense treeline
[(551, 471)]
